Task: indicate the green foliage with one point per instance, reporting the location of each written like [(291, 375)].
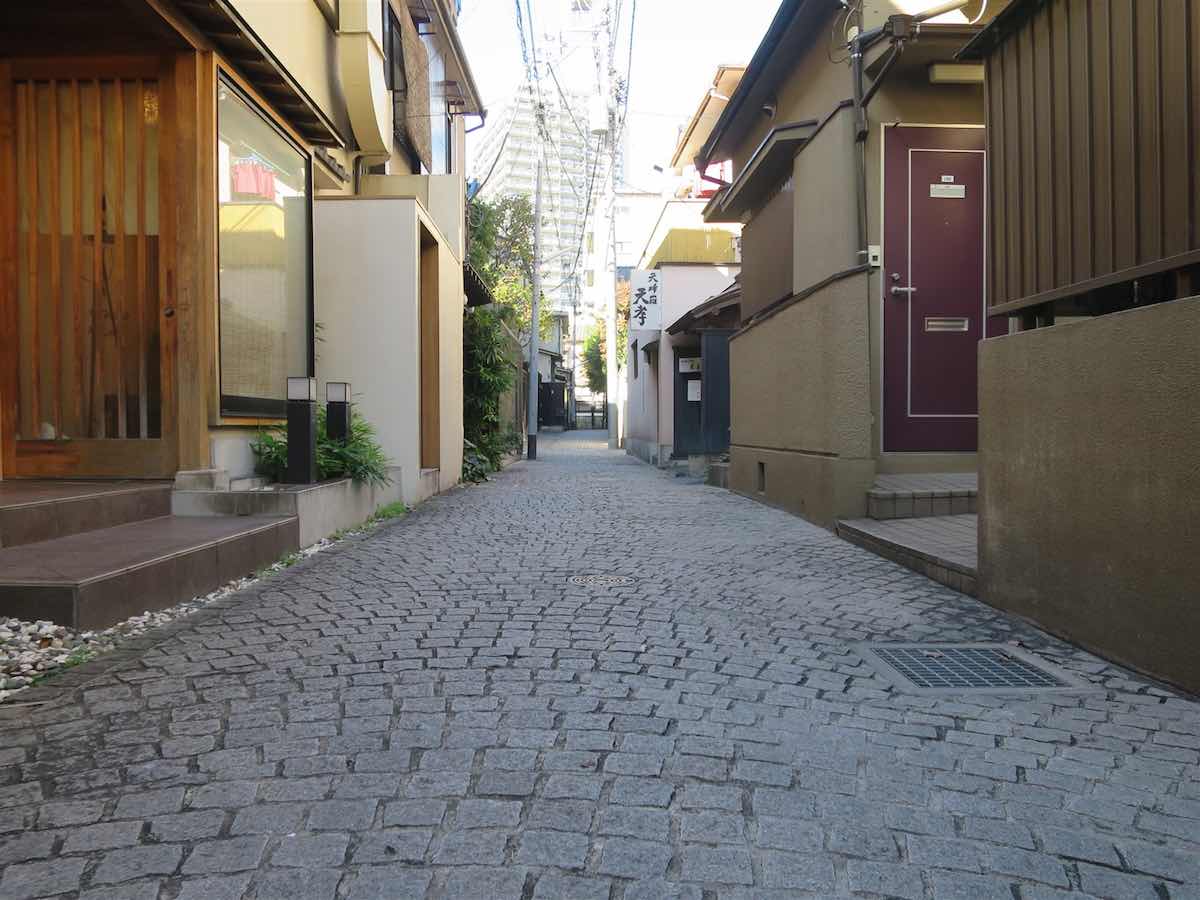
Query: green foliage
[(501, 237), (488, 372), (500, 248), (361, 458), (476, 466), (595, 366), (389, 511), (595, 346)]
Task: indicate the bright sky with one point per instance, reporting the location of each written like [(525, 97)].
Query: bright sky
[(677, 46)]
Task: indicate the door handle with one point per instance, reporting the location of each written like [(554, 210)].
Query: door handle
[(903, 290)]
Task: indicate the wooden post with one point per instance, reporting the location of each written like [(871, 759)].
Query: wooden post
[(186, 291), (8, 274)]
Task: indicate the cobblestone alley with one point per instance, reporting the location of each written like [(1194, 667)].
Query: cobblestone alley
[(435, 711)]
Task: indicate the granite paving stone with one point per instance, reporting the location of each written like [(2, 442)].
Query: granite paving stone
[(433, 710)]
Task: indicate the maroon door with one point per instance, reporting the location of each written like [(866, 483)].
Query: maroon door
[(933, 286)]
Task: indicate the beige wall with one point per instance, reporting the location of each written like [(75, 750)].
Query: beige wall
[(1089, 483), (799, 396), (306, 45), (767, 253), (451, 303), (366, 274)]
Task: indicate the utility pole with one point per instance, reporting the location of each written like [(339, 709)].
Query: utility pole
[(534, 314), (604, 123), (574, 341), (612, 383)]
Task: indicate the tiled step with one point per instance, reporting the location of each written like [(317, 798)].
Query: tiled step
[(918, 496), (32, 511), (96, 578), (944, 548)]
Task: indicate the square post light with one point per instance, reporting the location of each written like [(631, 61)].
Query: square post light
[(301, 430), (337, 410)]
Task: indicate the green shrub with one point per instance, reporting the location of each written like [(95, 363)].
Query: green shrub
[(360, 458), (476, 465), (487, 373)]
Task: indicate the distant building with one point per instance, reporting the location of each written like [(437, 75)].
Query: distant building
[(505, 164)]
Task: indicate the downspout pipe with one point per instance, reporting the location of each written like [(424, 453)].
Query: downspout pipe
[(861, 97), (482, 122)]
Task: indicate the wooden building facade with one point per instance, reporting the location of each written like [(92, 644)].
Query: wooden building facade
[(1094, 181)]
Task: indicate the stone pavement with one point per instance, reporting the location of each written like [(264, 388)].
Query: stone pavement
[(433, 711)]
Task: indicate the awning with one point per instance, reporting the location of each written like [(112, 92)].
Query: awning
[(763, 172), (478, 293), (224, 25), (731, 296)]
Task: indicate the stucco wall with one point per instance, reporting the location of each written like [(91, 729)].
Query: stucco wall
[(800, 396), (306, 45), (683, 287), (767, 253), (451, 303), (366, 280), (1089, 480), (365, 276), (641, 407)]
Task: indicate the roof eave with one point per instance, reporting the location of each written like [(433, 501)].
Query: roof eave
[(775, 31)]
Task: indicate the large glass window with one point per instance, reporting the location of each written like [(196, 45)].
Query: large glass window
[(441, 123), (264, 254)]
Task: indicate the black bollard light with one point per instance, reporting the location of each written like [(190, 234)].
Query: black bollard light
[(301, 430), (337, 411)]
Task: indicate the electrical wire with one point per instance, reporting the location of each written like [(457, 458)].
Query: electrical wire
[(562, 95)]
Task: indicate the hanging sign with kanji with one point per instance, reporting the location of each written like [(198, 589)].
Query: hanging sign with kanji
[(645, 300)]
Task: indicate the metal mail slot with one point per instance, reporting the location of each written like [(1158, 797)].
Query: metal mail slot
[(935, 323)]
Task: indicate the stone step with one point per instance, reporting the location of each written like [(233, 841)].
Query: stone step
[(95, 578), (944, 548), (37, 510), (249, 483), (923, 495)]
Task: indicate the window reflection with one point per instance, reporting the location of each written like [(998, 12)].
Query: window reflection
[(263, 254)]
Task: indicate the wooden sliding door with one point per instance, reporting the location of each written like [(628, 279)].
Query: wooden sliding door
[(88, 341)]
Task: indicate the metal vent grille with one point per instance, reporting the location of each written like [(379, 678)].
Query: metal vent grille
[(963, 668), (600, 580)]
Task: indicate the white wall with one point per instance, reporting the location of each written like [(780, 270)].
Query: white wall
[(651, 397), (683, 288), (641, 407), (365, 270)]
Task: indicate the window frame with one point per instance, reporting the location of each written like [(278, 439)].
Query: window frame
[(235, 405), (393, 39)]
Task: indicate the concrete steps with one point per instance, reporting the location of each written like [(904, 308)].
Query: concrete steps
[(33, 511), (95, 578), (944, 548), (88, 554), (923, 495)]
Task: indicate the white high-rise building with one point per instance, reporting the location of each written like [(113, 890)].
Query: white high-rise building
[(505, 164)]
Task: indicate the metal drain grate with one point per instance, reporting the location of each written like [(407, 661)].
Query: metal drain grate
[(600, 580), (968, 668)]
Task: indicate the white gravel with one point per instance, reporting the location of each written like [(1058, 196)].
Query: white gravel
[(31, 650)]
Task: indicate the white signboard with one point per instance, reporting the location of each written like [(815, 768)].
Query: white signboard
[(689, 364), (645, 300), (693, 389)]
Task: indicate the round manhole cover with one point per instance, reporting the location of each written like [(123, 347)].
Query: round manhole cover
[(600, 580)]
